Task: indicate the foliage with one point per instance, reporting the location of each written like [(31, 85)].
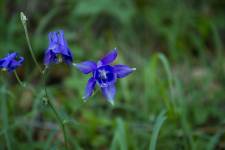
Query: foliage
[(176, 47)]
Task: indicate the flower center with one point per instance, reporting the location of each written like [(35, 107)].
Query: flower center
[(105, 76), (59, 58), (4, 69)]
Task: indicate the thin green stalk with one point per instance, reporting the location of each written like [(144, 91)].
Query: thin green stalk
[(171, 104), (156, 128), (5, 118), (55, 111), (60, 121), (24, 20), (18, 79)]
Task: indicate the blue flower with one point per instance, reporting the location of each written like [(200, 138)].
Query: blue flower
[(58, 50), (104, 74), (11, 62)]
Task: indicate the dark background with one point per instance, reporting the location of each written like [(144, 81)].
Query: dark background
[(177, 47)]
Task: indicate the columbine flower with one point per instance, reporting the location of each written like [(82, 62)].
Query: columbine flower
[(104, 75), (58, 50), (11, 62)]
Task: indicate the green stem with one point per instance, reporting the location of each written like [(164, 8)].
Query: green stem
[(55, 111), (18, 79), (23, 20), (60, 121)]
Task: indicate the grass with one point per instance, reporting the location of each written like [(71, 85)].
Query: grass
[(5, 119), (179, 56), (158, 124)]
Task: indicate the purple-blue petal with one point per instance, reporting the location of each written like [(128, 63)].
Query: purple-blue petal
[(15, 64), (52, 37), (109, 92), (61, 37), (122, 70), (68, 59), (57, 46), (86, 66), (11, 62), (7, 60), (89, 88), (1, 62), (108, 58), (12, 55), (49, 57)]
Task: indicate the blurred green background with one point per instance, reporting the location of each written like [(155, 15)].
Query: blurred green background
[(177, 91)]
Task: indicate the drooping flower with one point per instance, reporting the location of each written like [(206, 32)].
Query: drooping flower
[(11, 62), (104, 74), (58, 50)]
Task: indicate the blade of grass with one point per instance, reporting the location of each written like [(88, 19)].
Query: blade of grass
[(5, 118), (214, 140), (158, 124), (167, 68), (119, 139), (49, 140), (182, 111)]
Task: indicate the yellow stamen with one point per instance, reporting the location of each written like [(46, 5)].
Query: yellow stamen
[(59, 57), (4, 69)]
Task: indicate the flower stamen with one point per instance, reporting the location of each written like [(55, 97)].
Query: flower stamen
[(103, 74), (4, 69), (59, 58)]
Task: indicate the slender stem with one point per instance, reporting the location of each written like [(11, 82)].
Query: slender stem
[(23, 20), (61, 123), (54, 110), (18, 79)]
